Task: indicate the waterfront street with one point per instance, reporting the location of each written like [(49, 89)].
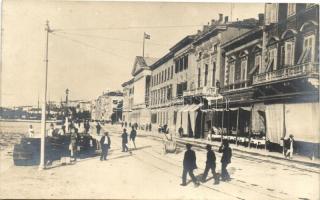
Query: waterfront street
[(148, 173)]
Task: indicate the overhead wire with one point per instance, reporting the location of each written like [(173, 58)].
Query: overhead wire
[(110, 38), (127, 27), (89, 45)]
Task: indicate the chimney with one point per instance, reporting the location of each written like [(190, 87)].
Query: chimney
[(261, 19), (213, 22), (220, 17), (199, 32), (226, 18)]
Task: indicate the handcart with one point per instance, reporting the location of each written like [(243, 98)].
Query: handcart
[(170, 145)]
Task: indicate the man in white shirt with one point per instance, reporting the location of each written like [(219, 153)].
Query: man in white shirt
[(51, 130), (105, 146), (30, 131)]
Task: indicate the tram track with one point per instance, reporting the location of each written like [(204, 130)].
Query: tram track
[(266, 193)]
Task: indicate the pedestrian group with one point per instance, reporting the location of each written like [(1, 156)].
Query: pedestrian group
[(189, 164)]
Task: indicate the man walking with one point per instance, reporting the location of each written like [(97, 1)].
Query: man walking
[(210, 163), (73, 144), (180, 131), (30, 131), (225, 160), (105, 146), (86, 126), (189, 164), (98, 127), (133, 135), (124, 137)]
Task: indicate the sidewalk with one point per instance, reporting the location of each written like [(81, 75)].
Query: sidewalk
[(306, 162)]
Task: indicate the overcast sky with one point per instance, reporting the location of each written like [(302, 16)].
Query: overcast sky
[(94, 43)]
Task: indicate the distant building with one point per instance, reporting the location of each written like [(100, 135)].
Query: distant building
[(140, 91), (128, 92), (108, 106)]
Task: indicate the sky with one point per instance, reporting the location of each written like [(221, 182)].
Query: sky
[(93, 44)]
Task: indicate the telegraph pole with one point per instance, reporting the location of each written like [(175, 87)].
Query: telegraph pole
[(144, 37), (1, 43), (43, 115)]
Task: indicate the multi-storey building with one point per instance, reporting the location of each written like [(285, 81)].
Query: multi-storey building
[(138, 99), (107, 106), (161, 89), (250, 79), (288, 83), (209, 68), (128, 92), (234, 112), (170, 78)]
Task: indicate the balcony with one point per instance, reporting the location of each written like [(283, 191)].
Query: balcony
[(306, 69), (237, 85), (202, 91)]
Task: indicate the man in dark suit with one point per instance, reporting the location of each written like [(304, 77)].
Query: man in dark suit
[(225, 159), (124, 137), (105, 146), (189, 164), (210, 163), (133, 136)]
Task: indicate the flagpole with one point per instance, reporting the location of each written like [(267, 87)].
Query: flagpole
[(143, 44)]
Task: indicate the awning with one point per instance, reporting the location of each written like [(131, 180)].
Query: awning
[(195, 107), (246, 108), (218, 109), (183, 108)]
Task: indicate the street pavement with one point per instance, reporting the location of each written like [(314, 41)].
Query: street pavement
[(148, 173)]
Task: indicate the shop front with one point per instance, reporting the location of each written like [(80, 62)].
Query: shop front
[(189, 118)]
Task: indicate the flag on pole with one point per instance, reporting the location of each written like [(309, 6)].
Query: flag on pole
[(146, 36)]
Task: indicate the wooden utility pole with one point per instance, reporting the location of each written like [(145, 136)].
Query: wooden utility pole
[(43, 115), (1, 44)]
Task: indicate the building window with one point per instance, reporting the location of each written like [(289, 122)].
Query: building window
[(257, 63), (243, 75), (171, 72), (308, 49), (168, 73), (272, 63), (169, 93), (271, 13), (215, 48), (162, 77), (181, 63), (186, 62), (176, 66), (199, 77), (199, 55), (289, 53), (231, 73), (157, 79), (206, 74), (291, 9), (165, 74), (181, 87), (213, 74)]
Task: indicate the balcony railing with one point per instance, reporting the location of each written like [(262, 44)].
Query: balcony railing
[(285, 73), (237, 85), (202, 91)]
